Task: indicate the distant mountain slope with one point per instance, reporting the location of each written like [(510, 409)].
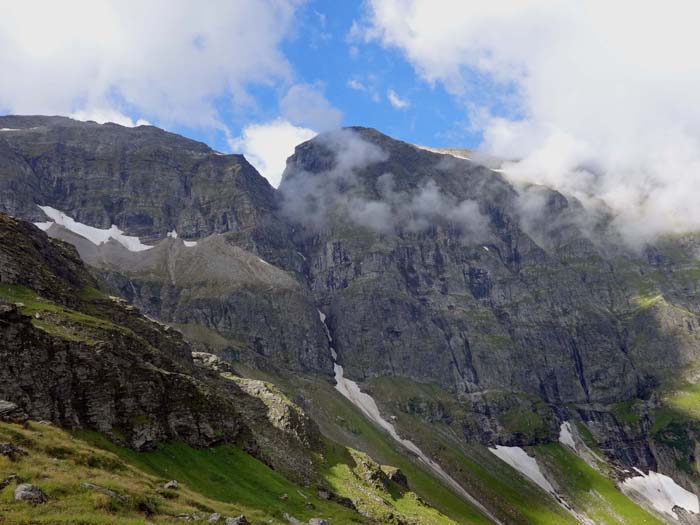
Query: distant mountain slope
[(144, 180)]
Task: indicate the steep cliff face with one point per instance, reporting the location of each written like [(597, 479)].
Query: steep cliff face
[(429, 266), (451, 287), (81, 360), (523, 305), (144, 180)]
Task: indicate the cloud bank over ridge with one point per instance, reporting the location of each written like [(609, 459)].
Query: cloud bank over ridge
[(598, 99)]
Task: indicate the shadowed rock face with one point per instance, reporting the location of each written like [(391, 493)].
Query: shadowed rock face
[(559, 319), (144, 180)]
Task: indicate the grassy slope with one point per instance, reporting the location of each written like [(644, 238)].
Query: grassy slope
[(342, 422), (491, 481), (589, 490), (224, 480), (501, 487), (58, 320)]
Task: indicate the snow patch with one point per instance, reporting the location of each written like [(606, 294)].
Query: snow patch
[(517, 458), (351, 391), (43, 226), (95, 235), (662, 492), (173, 235), (566, 436)]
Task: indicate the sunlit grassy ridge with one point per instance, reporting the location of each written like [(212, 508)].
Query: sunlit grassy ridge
[(223, 479), (342, 422)]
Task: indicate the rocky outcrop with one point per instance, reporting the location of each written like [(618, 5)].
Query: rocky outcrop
[(83, 360), (30, 493), (117, 384)]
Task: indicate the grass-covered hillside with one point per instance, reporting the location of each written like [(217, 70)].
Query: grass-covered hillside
[(89, 480)]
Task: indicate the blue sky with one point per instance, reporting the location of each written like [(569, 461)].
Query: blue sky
[(323, 53)]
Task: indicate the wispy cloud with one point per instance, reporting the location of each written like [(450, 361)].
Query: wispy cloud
[(396, 101), (306, 105), (356, 85)]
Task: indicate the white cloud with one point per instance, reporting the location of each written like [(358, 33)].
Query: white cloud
[(267, 146), (608, 93), (108, 115), (305, 105), (356, 85), (396, 101), (171, 61), (368, 85)]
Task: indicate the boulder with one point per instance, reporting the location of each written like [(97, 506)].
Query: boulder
[(30, 493), (11, 451), (318, 521), (104, 490), (291, 519), (12, 478), (172, 484), (238, 520), (214, 518), (12, 413), (397, 476)]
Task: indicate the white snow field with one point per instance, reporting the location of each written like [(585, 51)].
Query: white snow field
[(95, 235), (517, 458), (661, 492), (173, 235), (566, 436)]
